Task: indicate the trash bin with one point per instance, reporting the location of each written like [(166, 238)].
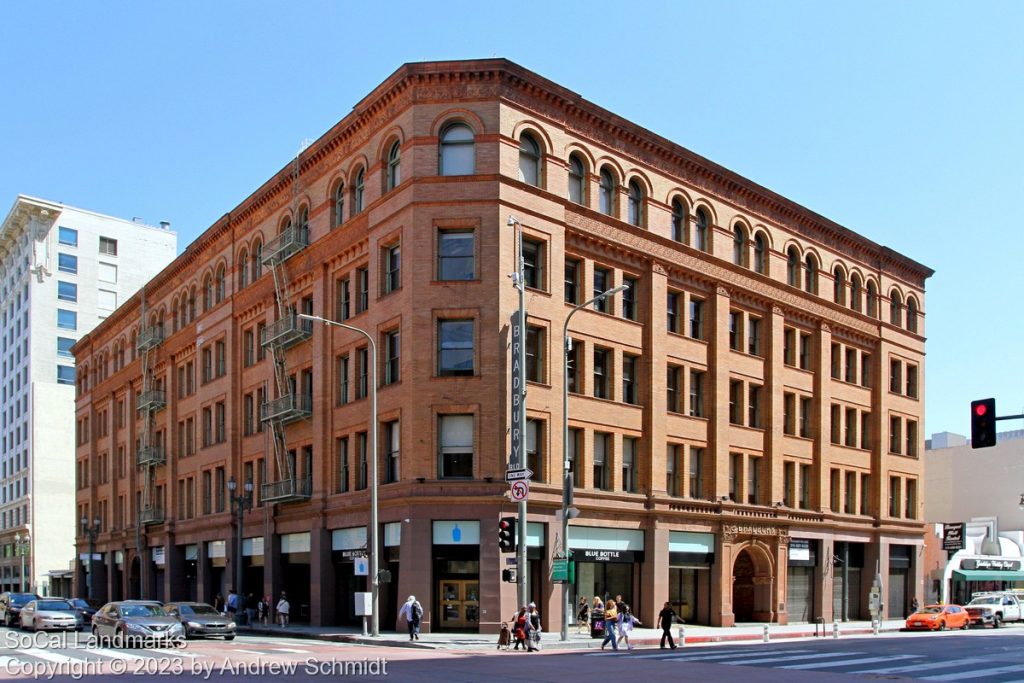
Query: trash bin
[(597, 624)]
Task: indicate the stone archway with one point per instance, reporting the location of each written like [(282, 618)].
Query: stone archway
[(752, 579)]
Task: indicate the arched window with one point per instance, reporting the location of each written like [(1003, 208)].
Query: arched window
[(792, 267), (700, 236), (607, 192), (872, 299), (243, 269), (678, 221), (895, 308), (739, 245), (303, 226), (184, 319), (636, 204), (257, 261), (761, 253), (457, 150), (839, 286), (912, 314), (218, 285), (357, 192), (577, 179), (855, 292), (811, 277), (175, 315), (529, 160), (338, 216), (394, 174), (134, 344), (207, 293)]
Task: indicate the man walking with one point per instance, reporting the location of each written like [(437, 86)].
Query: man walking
[(412, 612), (232, 603), (665, 618)]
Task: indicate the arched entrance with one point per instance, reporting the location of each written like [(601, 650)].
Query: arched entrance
[(752, 580)]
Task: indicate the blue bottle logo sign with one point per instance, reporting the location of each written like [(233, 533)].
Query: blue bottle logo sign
[(456, 533)]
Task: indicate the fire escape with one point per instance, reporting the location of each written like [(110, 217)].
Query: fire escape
[(150, 454), (289, 405)]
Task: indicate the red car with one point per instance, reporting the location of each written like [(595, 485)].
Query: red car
[(939, 618)]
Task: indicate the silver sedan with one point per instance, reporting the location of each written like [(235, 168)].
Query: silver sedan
[(49, 615)]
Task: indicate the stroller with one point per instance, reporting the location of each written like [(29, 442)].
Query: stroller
[(504, 637)]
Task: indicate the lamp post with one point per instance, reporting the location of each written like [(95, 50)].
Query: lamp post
[(566, 472), (374, 541), (21, 545), (517, 458), (92, 532), (239, 504)]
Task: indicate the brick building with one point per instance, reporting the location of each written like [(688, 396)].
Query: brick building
[(744, 419)]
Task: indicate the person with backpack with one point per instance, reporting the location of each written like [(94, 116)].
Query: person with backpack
[(284, 609), (412, 612), (666, 616)]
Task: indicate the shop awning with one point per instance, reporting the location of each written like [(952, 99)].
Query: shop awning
[(979, 575)]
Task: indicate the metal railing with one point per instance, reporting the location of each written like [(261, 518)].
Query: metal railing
[(287, 331), (154, 399), (288, 408), (151, 516), (291, 241), (150, 455), (150, 338), (288, 489)]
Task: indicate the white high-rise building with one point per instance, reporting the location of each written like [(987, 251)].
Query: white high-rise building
[(62, 271)]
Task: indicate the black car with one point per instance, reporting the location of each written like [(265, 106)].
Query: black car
[(84, 608), (11, 604)]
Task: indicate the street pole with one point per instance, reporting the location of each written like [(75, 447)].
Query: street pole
[(566, 471), (239, 504), (91, 532), (518, 457), (374, 503), (22, 545)]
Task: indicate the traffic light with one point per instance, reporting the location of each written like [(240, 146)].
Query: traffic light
[(983, 423), (507, 534)]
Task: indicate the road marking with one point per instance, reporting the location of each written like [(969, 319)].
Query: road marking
[(293, 650), (248, 652), (694, 656), (47, 655), (920, 667), (790, 658), (850, 662), (115, 654), (977, 673)]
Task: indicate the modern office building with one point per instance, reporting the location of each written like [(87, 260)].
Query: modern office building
[(744, 420), (62, 270)]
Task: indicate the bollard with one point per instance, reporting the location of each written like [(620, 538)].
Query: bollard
[(835, 629), (766, 638), (365, 631), (875, 624), (682, 636)]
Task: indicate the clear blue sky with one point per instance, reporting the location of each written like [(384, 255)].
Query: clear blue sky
[(903, 121)]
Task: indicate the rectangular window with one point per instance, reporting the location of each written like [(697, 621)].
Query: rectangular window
[(249, 411), (788, 483), (601, 372), (106, 299), (455, 459), (392, 358), (344, 299), (754, 406), (911, 380), (65, 375), (805, 487), (108, 246), (850, 494), (629, 464), (696, 393), (672, 469), (67, 263), (754, 336), (572, 281), (696, 472), (895, 376), (68, 236), (629, 298), (836, 361), (454, 348), (735, 402), (572, 367), (67, 320), (835, 416), (602, 283), (67, 291), (249, 346), (363, 283), (343, 381), (865, 426), (696, 318), (535, 448), (894, 496), (207, 492), (910, 512), (221, 358), (456, 255), (601, 442), (220, 415), (805, 417), (362, 370), (361, 470), (343, 465), (64, 345), (219, 488), (789, 346), (672, 317), (734, 475), (735, 330), (864, 491), (834, 484), (865, 370), (754, 480), (672, 381), (789, 413), (533, 263), (534, 353), (106, 272), (574, 456), (207, 357), (392, 442), (630, 392), (911, 438), (895, 434), (261, 332), (851, 366), (850, 432), (805, 351), (392, 262)]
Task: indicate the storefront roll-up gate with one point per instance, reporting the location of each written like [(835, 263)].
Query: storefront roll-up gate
[(899, 580), (803, 557), (854, 552)]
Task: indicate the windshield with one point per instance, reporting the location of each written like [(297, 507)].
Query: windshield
[(52, 604), (142, 611), (994, 600), (20, 599), (206, 610), (931, 609), (78, 602)]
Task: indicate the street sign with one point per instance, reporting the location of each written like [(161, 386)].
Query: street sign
[(563, 571), (520, 489), (517, 474), (511, 561)]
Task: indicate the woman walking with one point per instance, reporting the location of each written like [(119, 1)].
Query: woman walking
[(583, 616), (520, 624), (626, 621), (611, 620)]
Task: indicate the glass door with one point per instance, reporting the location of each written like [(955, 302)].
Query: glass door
[(460, 604)]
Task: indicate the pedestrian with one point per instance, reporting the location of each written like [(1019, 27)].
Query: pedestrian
[(666, 616), (611, 618), (534, 633), (232, 603), (250, 608), (412, 612), (914, 604), (283, 609), (218, 603), (626, 621), (583, 615), (520, 625), (262, 610)]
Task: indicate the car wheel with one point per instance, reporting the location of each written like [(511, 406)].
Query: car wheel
[(942, 626), (996, 621), (966, 624), (229, 637)]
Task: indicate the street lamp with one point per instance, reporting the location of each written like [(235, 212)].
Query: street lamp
[(21, 545), (374, 542), (566, 473), (239, 504), (92, 532)]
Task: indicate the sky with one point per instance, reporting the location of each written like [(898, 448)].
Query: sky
[(903, 121)]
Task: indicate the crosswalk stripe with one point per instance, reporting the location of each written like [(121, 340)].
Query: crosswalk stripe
[(920, 667), (248, 652), (5, 661), (790, 658), (292, 650), (849, 662), (696, 657), (116, 654), (976, 673), (47, 655)]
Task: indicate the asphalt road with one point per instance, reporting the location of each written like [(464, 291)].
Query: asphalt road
[(974, 657)]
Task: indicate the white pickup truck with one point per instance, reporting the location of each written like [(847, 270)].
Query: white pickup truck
[(994, 608)]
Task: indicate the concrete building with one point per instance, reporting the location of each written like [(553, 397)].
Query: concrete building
[(982, 491), (62, 270), (744, 419)]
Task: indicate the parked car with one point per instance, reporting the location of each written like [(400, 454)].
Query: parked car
[(201, 620), (128, 622), (11, 604), (995, 608), (50, 614), (85, 609), (939, 618)]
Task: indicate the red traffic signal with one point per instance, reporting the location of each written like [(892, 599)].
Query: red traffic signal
[(983, 423), (507, 534)]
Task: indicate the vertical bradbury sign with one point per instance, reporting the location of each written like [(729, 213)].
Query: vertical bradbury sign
[(517, 393)]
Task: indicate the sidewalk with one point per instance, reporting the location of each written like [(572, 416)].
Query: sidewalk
[(641, 637)]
